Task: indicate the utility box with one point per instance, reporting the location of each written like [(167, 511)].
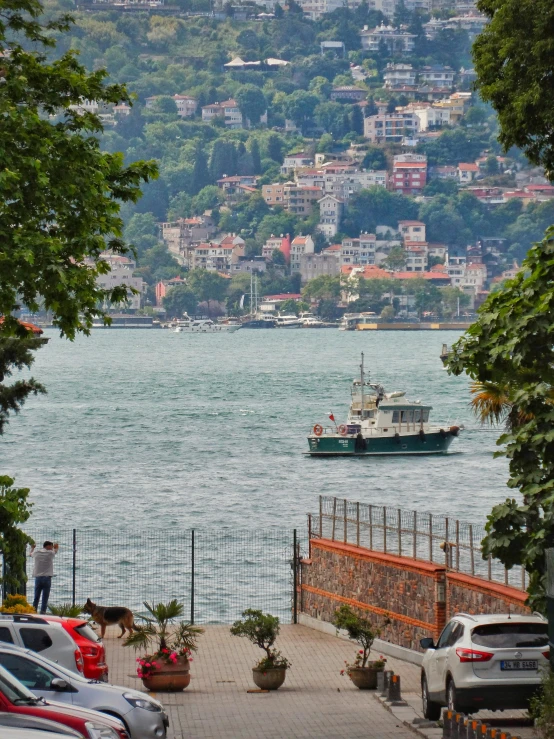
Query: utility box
[(549, 554)]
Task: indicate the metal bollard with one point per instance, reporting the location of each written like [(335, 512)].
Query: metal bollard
[(447, 724), (386, 677), (474, 729), (394, 689), (381, 683), (458, 726)]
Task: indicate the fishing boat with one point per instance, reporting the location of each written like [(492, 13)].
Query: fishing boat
[(381, 423), (204, 326)]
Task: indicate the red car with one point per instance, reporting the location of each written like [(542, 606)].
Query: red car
[(90, 644), (16, 698)]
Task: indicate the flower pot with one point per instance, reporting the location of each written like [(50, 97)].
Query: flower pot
[(364, 678), (269, 679), (169, 677)]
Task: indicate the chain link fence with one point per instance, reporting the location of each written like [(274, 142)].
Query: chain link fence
[(455, 544), (215, 573)]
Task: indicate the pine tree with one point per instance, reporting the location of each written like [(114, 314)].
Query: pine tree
[(200, 173), (274, 148), (356, 120), (256, 158), (218, 160)]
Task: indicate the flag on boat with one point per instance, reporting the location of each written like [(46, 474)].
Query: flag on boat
[(331, 416)]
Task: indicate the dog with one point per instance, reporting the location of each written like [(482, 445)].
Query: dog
[(106, 616)]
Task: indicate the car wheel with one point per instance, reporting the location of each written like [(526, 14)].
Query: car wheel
[(452, 698), (431, 710)]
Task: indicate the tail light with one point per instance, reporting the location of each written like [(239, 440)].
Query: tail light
[(89, 651), (472, 655), (79, 660), (546, 654)]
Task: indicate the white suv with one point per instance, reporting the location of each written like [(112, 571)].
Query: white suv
[(484, 662), (48, 638)]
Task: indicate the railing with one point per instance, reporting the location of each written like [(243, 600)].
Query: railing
[(424, 536)]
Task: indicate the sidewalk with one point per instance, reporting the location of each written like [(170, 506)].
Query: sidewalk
[(315, 702)]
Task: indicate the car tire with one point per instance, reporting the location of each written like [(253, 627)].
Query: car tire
[(431, 710)]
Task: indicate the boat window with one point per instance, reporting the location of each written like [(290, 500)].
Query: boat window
[(395, 416), (417, 415), (407, 416), (425, 415), (369, 414)]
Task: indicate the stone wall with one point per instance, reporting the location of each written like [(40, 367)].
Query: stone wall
[(408, 599)]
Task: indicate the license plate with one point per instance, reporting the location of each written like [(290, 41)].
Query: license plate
[(519, 664)]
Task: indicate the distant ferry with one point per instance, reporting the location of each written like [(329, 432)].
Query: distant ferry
[(204, 326), (381, 423)]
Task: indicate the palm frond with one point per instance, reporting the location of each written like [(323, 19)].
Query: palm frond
[(490, 403)]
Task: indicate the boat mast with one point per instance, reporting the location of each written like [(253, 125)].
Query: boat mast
[(362, 389)]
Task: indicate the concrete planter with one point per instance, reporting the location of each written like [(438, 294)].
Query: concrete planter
[(170, 678), (269, 679), (364, 678)]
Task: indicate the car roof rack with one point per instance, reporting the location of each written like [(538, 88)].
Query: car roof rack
[(465, 615), (24, 618)]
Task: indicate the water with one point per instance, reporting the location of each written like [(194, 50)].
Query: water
[(152, 429)]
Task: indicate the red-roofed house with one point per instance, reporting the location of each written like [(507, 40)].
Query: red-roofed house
[(467, 172), (411, 231), (409, 173), (273, 302)]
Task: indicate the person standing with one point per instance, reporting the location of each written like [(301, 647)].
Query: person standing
[(43, 571)]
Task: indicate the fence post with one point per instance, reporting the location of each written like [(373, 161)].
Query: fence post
[(192, 577), (358, 524), (295, 580), (430, 537), (399, 532), (321, 517), (415, 535), (309, 535), (457, 545), (385, 529), (74, 567), (370, 526), (471, 549), (334, 518), (490, 566), (345, 532), (447, 545)]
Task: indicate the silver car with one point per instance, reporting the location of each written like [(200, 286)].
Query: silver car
[(144, 717)]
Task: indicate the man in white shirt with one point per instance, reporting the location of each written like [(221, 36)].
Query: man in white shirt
[(43, 571)]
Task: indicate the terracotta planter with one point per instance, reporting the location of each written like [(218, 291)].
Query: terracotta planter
[(170, 678), (271, 679), (364, 678)]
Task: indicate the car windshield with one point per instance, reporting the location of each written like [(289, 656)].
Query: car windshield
[(87, 632), (15, 691), (511, 635)]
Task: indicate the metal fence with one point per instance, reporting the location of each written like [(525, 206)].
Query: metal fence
[(446, 541), (215, 573)]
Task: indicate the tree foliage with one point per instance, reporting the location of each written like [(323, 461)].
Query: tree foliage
[(511, 348), (60, 193), (14, 510)]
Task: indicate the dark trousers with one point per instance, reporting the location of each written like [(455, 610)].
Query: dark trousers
[(42, 586)]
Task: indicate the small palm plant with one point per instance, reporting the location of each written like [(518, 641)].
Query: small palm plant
[(66, 610), (173, 644)]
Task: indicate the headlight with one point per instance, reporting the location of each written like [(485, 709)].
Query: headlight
[(137, 702), (100, 731)]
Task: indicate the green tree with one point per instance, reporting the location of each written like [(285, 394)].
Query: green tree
[(290, 306), (396, 259), (166, 104), (275, 148), (356, 120), (374, 158), (256, 158), (513, 64), (208, 198), (15, 509), (60, 192), (200, 174), (207, 285), (179, 300), (142, 232), (452, 299), (252, 103), (323, 287), (388, 313), (300, 106)]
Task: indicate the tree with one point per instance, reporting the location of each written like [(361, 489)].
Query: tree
[(207, 285), (275, 148), (256, 158), (374, 158), (290, 306), (208, 198), (166, 104), (509, 350), (200, 174), (513, 64), (14, 509), (356, 119), (453, 299), (60, 193), (388, 313), (180, 299), (396, 259), (252, 103), (323, 287), (300, 106), (142, 232)]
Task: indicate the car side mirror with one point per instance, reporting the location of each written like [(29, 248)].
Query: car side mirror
[(427, 643), (59, 684)]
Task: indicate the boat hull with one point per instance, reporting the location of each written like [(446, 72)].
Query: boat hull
[(333, 445)]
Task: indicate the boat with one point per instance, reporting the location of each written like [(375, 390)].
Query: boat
[(445, 353), (350, 321), (204, 326), (288, 321), (259, 322), (381, 423)]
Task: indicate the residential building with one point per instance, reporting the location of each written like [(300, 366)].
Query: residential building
[(430, 115), (467, 172), (316, 265), (396, 41), (445, 172), (218, 256), (121, 273), (392, 127), (417, 256), (232, 184), (270, 303), (472, 22), (300, 199), (275, 194), (180, 235), (186, 105), (330, 215), (296, 161), (438, 76), (342, 181), (255, 264), (412, 231), (457, 104), (162, 288), (387, 7), (422, 5), (358, 251), (229, 111), (300, 245), (409, 175), (314, 10), (281, 243), (399, 75), (348, 93)]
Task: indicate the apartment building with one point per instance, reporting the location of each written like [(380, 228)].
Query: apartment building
[(409, 175), (279, 243), (316, 265), (180, 235), (412, 231), (399, 75), (294, 197), (220, 256), (300, 246), (396, 41), (391, 127), (230, 112), (437, 76), (292, 162), (121, 273), (330, 215)]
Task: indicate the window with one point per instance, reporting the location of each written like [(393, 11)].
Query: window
[(395, 416), (511, 635), (32, 675), (35, 639), (6, 635)]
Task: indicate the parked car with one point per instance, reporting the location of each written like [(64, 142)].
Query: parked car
[(143, 717), (38, 635), (8, 733), (43, 728), (15, 698), (484, 662), (90, 644)]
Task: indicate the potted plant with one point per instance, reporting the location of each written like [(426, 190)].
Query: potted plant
[(363, 672), (262, 630), (168, 667)]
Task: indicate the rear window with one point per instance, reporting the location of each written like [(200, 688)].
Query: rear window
[(35, 639), (507, 635), (87, 632), (6, 635)]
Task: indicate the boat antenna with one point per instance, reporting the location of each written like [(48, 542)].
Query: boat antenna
[(362, 389)]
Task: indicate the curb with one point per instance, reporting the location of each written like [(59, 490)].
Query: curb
[(409, 718)]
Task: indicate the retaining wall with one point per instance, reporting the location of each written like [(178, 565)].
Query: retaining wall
[(408, 599)]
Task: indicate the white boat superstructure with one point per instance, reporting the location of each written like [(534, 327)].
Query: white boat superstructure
[(204, 326), (351, 320), (288, 321)]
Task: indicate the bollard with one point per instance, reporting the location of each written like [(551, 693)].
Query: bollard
[(447, 724), (474, 729), (381, 683), (458, 726), (394, 689), (386, 677)]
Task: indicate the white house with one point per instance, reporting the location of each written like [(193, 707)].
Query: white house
[(300, 245), (399, 75), (396, 41), (296, 161), (330, 215), (467, 172)]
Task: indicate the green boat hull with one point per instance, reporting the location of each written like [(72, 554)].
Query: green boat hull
[(350, 446)]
